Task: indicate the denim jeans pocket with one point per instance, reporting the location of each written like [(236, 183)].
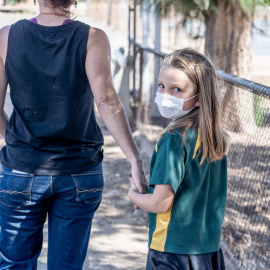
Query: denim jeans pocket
[(15, 189), (89, 186)]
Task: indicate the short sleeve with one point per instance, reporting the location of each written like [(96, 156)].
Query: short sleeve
[(169, 167)]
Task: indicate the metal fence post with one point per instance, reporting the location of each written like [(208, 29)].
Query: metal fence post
[(134, 47), (156, 35)]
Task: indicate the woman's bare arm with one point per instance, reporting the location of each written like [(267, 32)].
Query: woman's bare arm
[(98, 69), (3, 79)]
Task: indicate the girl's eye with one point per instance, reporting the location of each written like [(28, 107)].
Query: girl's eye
[(160, 85), (176, 89)]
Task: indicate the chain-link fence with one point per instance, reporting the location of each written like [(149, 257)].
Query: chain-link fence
[(246, 228), (246, 114)]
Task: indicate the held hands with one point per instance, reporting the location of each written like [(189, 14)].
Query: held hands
[(138, 181), (138, 177), (133, 189)]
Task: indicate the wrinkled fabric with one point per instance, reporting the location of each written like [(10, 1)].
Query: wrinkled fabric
[(169, 261)]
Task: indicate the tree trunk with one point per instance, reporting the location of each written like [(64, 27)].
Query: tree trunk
[(228, 41), (210, 23)]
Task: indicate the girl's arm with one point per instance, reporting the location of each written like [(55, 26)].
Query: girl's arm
[(98, 69), (158, 202)]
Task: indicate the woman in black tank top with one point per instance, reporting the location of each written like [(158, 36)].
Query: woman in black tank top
[(52, 161)]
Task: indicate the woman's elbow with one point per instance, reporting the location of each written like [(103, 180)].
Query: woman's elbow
[(111, 105)]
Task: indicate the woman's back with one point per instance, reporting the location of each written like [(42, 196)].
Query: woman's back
[(52, 129)]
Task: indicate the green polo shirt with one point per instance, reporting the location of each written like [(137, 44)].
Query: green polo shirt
[(192, 225)]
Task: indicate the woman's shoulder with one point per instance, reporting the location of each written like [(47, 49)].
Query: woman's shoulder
[(13, 25), (97, 35), (97, 42), (4, 32)]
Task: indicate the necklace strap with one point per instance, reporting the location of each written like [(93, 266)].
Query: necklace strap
[(58, 14)]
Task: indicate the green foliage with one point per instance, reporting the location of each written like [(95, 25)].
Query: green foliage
[(12, 2), (249, 5), (183, 6), (193, 8), (259, 112)]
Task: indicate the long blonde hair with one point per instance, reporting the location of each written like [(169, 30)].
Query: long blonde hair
[(207, 117)]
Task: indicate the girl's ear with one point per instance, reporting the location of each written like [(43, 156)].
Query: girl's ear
[(197, 103)]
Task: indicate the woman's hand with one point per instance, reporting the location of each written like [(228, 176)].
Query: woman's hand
[(133, 189), (138, 177)]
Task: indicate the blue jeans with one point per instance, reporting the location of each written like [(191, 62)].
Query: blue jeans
[(70, 202)]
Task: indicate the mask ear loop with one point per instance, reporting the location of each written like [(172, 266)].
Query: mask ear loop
[(193, 106), (191, 97)]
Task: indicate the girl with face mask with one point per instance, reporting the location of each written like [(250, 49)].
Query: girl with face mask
[(188, 175)]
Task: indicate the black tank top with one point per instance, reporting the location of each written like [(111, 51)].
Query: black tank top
[(52, 129)]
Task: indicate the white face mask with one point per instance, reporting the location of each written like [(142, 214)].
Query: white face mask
[(171, 107)]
